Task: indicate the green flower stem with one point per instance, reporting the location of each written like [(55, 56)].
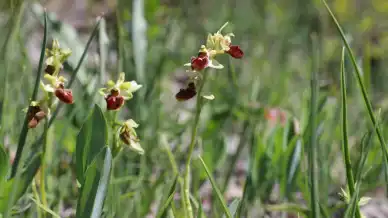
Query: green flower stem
[(36, 195), (114, 126), (43, 169), (186, 175)]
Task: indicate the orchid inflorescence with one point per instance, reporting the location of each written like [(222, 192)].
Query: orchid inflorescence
[(115, 94), (38, 110), (216, 44)]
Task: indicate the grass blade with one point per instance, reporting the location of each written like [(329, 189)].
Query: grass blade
[(312, 152), (91, 139), (345, 144), (218, 192), (4, 164), (163, 210), (94, 188), (24, 132), (363, 91), (139, 39), (234, 206), (48, 210)]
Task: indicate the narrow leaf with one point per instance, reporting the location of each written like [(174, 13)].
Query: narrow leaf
[(91, 139), (345, 144), (234, 206), (363, 91), (4, 164), (163, 210), (93, 191), (218, 192)]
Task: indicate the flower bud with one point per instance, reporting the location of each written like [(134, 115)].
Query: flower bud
[(235, 51), (33, 123), (35, 114), (128, 136)]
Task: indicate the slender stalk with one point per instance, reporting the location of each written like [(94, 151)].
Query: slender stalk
[(312, 153), (36, 194), (43, 169), (115, 143), (186, 175), (345, 144)]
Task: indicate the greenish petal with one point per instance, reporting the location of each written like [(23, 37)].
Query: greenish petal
[(209, 41), (134, 86), (209, 97), (135, 145), (103, 91), (110, 84), (121, 78), (125, 86), (215, 64), (131, 123), (127, 95)]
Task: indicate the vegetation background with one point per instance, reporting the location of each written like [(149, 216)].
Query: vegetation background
[(254, 134)]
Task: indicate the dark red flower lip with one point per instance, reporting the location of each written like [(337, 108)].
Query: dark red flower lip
[(187, 93), (114, 102), (235, 51), (65, 95), (200, 62)]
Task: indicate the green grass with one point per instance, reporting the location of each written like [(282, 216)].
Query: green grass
[(292, 124)]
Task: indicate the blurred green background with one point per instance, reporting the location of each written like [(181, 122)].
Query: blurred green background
[(242, 138)]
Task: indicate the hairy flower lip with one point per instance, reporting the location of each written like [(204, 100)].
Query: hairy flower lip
[(235, 51), (199, 63), (187, 93), (114, 102), (64, 95)]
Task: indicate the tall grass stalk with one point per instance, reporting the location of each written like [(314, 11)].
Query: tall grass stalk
[(345, 144), (364, 93), (312, 152), (186, 175)]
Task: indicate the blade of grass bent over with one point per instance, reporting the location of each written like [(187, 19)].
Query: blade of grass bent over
[(345, 144), (363, 91)]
